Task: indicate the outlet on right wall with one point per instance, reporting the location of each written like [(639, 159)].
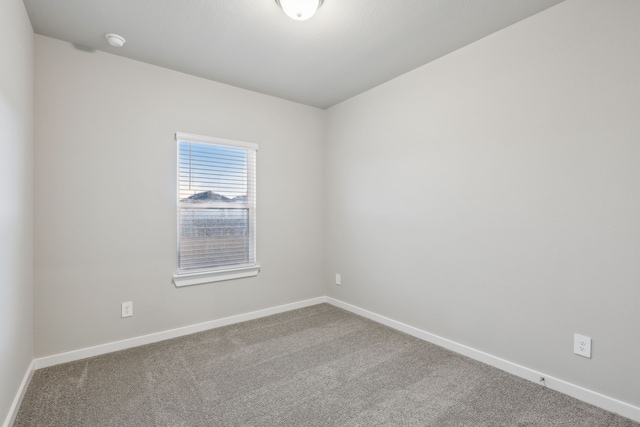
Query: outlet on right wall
[(492, 197)]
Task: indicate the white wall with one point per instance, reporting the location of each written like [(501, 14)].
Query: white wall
[(16, 193), (105, 217), (492, 197)]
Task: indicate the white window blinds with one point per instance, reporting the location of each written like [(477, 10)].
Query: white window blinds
[(216, 203)]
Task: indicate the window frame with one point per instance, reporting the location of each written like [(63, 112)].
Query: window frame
[(188, 277)]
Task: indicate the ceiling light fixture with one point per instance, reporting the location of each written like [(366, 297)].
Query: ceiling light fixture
[(115, 40), (300, 10)]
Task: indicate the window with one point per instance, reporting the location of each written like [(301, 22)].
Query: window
[(216, 209)]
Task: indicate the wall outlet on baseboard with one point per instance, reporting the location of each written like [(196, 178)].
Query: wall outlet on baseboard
[(338, 280), (127, 309), (582, 345)]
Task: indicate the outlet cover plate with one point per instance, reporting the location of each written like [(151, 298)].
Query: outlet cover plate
[(127, 309), (338, 280), (582, 345)]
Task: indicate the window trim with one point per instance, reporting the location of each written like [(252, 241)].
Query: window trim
[(210, 275)]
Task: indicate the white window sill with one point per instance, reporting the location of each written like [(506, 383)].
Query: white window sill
[(203, 277)]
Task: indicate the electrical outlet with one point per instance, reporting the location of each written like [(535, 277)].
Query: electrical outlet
[(127, 309), (582, 345), (338, 280)]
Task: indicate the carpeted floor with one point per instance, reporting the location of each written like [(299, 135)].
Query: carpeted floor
[(317, 366)]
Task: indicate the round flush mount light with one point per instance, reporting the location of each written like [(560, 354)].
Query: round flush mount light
[(115, 40), (300, 10)]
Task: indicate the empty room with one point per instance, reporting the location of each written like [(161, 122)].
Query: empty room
[(320, 213)]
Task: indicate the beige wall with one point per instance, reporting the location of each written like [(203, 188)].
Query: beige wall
[(16, 193), (105, 217), (492, 197)]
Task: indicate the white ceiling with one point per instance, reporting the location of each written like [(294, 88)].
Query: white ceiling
[(349, 46)]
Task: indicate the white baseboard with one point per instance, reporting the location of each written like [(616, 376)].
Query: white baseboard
[(13, 410), (97, 350), (605, 402)]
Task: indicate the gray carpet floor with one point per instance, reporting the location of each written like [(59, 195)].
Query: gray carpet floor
[(317, 366)]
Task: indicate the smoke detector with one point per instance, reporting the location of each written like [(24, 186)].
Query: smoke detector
[(115, 40)]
